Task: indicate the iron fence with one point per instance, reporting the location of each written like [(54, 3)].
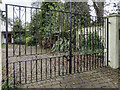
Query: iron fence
[(51, 43)]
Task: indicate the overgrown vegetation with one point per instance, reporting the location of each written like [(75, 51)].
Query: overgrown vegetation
[(50, 29), (89, 44), (10, 83)]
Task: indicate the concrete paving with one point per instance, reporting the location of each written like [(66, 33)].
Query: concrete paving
[(100, 78)]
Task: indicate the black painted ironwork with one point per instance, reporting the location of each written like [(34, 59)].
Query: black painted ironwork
[(51, 43)]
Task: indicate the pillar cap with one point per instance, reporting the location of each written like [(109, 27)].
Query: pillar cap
[(114, 15)]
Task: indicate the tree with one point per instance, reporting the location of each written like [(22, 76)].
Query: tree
[(78, 7), (45, 21), (99, 9)]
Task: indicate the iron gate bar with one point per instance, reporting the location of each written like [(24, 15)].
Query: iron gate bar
[(14, 73), (77, 62), (50, 28), (100, 45), (41, 28), (74, 33), (36, 29), (46, 68), (43, 9), (98, 41), (59, 30), (87, 46), (7, 46), (70, 49), (36, 71), (95, 40), (77, 32), (20, 72), (63, 33), (19, 31), (50, 69), (26, 71), (41, 67), (31, 70), (59, 66), (107, 40), (55, 67), (25, 30), (84, 41), (13, 33), (31, 26), (63, 66)]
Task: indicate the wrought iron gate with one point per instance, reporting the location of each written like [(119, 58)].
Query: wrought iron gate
[(51, 43)]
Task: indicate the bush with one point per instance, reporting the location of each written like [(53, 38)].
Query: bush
[(17, 40), (31, 41), (28, 41), (61, 44), (10, 83)]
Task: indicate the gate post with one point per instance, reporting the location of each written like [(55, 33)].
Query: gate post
[(114, 40), (0, 56)]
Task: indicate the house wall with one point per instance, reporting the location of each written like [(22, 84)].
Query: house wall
[(3, 29), (3, 39)]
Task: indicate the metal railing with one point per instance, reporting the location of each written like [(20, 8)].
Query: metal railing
[(51, 43)]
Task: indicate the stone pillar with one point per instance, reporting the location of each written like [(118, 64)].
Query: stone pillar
[(114, 40)]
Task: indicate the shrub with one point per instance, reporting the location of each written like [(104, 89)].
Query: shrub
[(10, 83), (91, 43), (17, 40), (31, 41), (28, 41), (61, 45)]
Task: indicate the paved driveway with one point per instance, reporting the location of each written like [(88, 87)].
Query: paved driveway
[(101, 78)]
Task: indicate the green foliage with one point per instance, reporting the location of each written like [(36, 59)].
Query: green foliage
[(61, 44), (3, 45), (28, 41), (18, 40), (31, 41), (45, 21), (10, 83), (91, 43), (19, 32)]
